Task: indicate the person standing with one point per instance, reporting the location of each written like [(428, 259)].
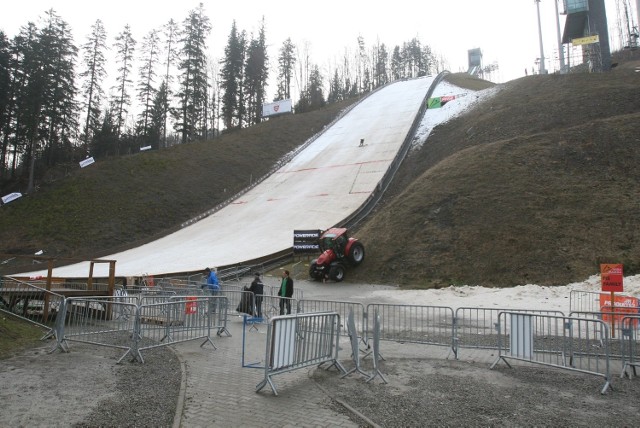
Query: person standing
[(285, 293), (212, 285), (257, 288)]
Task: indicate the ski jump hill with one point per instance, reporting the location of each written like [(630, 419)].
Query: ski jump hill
[(332, 178)]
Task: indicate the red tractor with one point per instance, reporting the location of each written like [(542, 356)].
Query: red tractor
[(338, 251)]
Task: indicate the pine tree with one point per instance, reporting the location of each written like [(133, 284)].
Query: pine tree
[(193, 84), (146, 89), (125, 48), (286, 64), (6, 101), (256, 75), (59, 121), (171, 31), (381, 77), (231, 76), (93, 75)]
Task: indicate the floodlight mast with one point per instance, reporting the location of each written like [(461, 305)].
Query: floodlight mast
[(542, 69)]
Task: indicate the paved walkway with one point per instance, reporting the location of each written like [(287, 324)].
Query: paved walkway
[(221, 393)]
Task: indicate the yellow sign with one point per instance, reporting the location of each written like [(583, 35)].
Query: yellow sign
[(586, 40)]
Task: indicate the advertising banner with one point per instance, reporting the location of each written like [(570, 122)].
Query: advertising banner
[(622, 306), (11, 197), (306, 241), (276, 108), (86, 162)]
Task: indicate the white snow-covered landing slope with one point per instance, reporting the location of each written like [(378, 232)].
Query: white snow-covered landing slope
[(321, 186)]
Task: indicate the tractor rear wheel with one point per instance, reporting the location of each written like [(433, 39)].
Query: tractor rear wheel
[(356, 253), (336, 272)]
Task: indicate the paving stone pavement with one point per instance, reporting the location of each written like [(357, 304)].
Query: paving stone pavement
[(220, 392)]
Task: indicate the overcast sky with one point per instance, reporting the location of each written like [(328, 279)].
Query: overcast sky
[(505, 30)]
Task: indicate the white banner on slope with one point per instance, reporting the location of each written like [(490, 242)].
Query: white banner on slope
[(11, 197), (278, 107)]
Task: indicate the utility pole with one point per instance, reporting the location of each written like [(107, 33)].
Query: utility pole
[(542, 69)]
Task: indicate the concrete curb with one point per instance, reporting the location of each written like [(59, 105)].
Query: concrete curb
[(177, 418), (342, 403)]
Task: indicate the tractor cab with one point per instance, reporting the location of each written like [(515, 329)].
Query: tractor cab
[(334, 239)]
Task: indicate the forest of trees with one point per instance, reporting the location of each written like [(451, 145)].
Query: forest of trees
[(54, 108)]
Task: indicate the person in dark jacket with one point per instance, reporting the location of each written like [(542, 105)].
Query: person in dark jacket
[(285, 293), (257, 288)]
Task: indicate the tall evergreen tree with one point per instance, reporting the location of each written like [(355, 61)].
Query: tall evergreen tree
[(6, 100), (312, 97), (286, 64), (125, 47), (231, 76), (256, 75), (60, 107), (381, 77), (193, 66), (157, 116), (93, 74), (171, 31), (146, 89)]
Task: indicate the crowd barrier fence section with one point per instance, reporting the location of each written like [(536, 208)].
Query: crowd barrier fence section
[(478, 327), (591, 301), (354, 341), (341, 307), (629, 329), (376, 350), (613, 319), (430, 325), (562, 342), (136, 324), (31, 303), (95, 321), (168, 323), (299, 341)]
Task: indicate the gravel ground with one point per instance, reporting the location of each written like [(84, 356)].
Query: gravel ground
[(90, 390), (86, 388), (435, 392)]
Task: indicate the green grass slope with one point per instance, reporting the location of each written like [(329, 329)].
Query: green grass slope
[(539, 184)]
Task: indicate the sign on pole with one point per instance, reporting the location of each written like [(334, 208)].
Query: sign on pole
[(611, 279)]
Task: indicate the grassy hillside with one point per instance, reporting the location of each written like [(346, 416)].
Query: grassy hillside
[(539, 184)]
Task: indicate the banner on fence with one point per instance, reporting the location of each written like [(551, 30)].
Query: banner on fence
[(622, 306), (191, 306)]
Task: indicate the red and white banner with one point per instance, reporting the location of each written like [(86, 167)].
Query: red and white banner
[(275, 108)]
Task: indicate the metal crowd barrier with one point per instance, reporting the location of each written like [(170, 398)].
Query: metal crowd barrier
[(162, 324), (562, 342), (341, 307), (95, 321), (478, 327), (31, 303), (629, 328), (588, 301), (133, 325), (299, 341), (430, 325)]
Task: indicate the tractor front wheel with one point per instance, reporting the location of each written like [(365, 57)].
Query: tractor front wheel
[(313, 271), (336, 272)]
